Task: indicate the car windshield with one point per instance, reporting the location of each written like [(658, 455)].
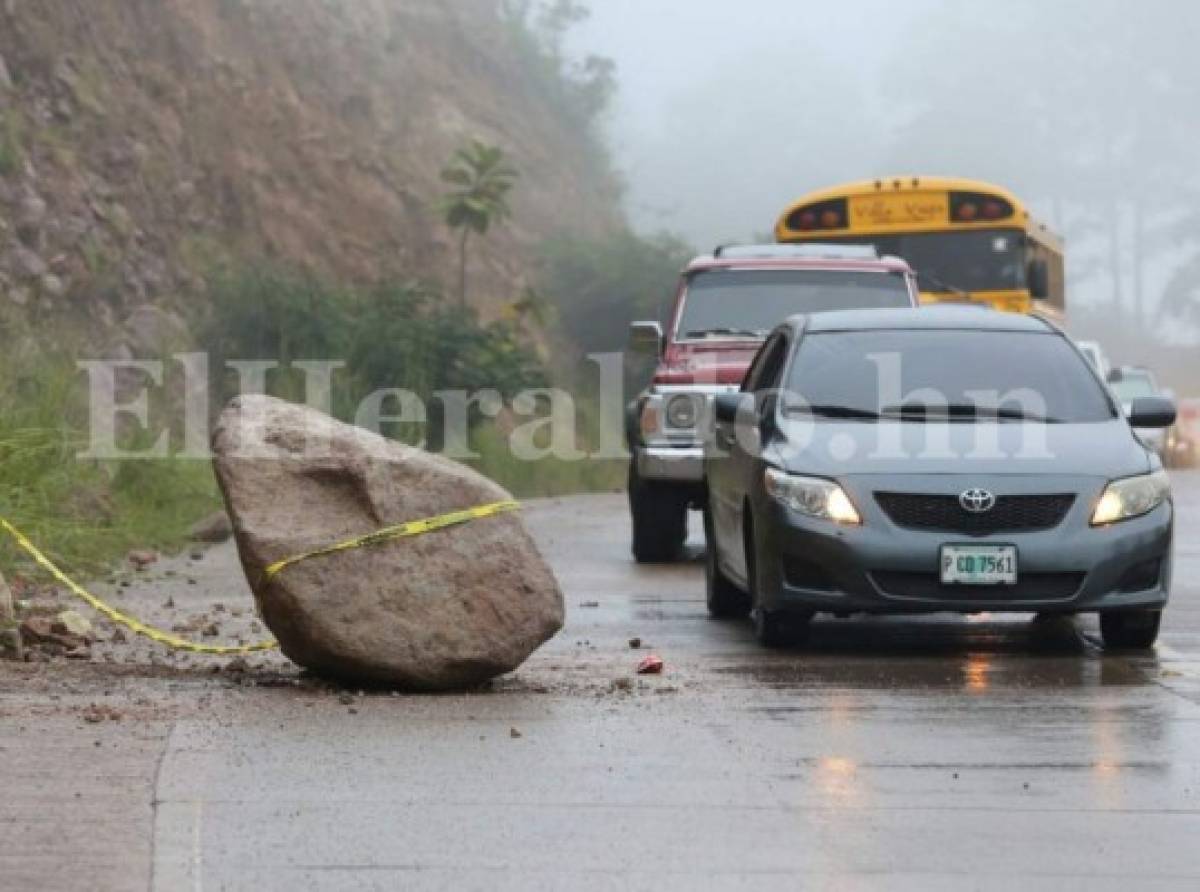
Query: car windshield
[(1133, 387), (752, 302), (944, 375)]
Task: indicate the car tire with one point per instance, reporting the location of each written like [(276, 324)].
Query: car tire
[(724, 599), (772, 628), (1130, 629), (777, 629), (659, 515)]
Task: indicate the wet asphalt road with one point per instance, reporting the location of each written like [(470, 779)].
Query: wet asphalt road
[(936, 753)]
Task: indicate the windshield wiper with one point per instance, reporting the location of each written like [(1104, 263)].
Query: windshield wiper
[(725, 332), (832, 412), (963, 410), (945, 286)]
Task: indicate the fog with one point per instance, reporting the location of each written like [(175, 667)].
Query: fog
[(1087, 109)]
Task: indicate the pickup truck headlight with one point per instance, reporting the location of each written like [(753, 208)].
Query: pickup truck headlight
[(683, 411), (1131, 497), (812, 497)]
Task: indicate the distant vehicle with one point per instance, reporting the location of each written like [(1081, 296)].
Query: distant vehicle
[(1130, 383), (1094, 353), (1183, 449), (968, 240), (725, 306), (828, 499)]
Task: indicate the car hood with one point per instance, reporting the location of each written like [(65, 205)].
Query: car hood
[(838, 449)]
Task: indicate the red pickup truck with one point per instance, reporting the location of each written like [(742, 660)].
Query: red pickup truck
[(726, 305)]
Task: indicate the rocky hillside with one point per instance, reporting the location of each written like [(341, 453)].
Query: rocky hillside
[(141, 141)]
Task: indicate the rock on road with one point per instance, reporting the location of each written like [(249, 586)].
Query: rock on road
[(934, 753)]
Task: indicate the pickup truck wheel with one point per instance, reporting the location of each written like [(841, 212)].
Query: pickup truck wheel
[(725, 600), (1130, 629), (659, 520)]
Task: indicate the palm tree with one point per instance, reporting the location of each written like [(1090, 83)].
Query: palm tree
[(482, 179)]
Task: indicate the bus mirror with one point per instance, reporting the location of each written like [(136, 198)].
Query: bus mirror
[(1039, 279)]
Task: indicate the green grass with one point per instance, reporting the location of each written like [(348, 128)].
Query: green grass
[(547, 476), (83, 514), (11, 153)]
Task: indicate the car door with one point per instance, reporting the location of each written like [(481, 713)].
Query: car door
[(741, 442)]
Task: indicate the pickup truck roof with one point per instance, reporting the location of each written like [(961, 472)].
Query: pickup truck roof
[(744, 258)]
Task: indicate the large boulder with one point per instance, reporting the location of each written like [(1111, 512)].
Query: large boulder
[(444, 610)]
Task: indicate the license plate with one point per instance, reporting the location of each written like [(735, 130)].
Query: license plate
[(979, 565)]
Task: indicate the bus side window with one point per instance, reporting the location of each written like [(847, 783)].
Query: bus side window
[(1039, 278)]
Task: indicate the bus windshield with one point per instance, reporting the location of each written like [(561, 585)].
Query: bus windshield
[(750, 303), (946, 262)]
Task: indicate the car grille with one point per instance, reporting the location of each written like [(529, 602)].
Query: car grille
[(1029, 587), (1012, 514)]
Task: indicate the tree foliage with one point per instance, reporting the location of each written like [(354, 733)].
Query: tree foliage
[(600, 285), (1085, 116), (397, 335), (481, 179), (581, 90)]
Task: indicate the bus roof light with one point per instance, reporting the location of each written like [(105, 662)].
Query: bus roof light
[(967, 211)]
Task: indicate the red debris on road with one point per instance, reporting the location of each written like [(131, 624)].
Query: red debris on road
[(652, 665)]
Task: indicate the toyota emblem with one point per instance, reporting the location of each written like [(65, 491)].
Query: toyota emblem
[(977, 501)]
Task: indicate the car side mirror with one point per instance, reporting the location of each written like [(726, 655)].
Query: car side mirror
[(1115, 376), (1152, 412), (727, 406), (1039, 279), (646, 337)]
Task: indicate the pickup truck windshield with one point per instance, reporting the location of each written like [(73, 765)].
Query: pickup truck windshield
[(733, 303), (1132, 387)]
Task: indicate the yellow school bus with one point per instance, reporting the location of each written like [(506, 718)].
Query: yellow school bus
[(967, 240)]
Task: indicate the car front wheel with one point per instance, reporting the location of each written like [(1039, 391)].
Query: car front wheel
[(772, 628), (725, 600), (1130, 629)]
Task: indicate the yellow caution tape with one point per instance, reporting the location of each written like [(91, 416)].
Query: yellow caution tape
[(129, 622), (389, 534), (402, 531)]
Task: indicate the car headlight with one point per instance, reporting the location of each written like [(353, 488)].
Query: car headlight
[(682, 412), (1131, 497), (812, 496)]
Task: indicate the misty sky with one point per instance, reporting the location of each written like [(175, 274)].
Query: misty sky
[(700, 77), (1085, 108)]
